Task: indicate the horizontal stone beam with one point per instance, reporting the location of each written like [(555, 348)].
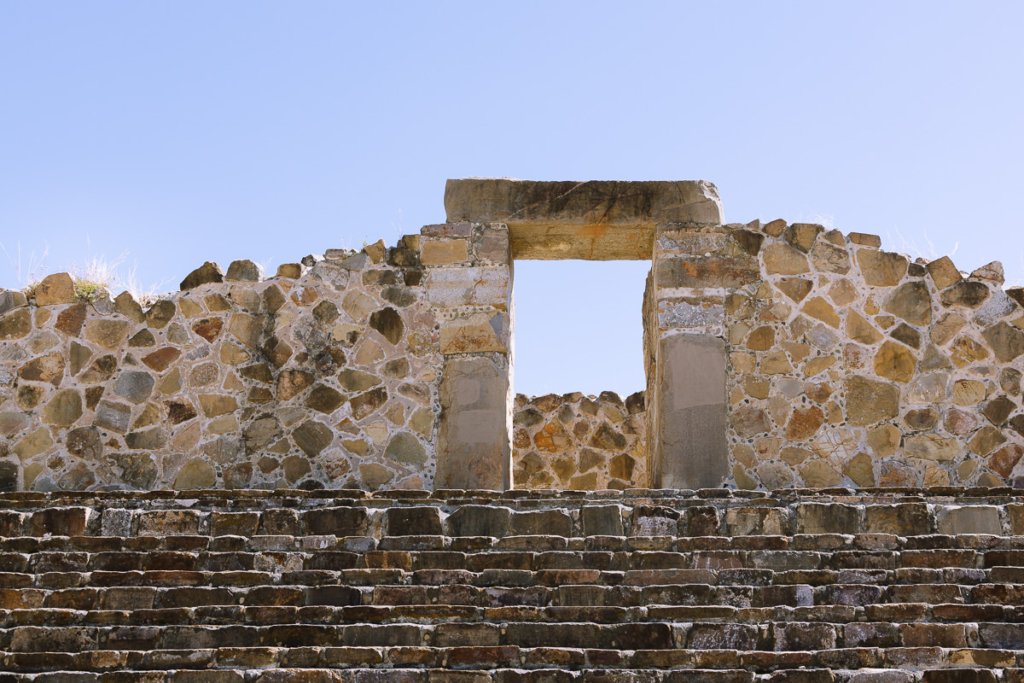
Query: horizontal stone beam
[(590, 220)]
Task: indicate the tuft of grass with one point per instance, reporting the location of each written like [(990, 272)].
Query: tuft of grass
[(90, 291)]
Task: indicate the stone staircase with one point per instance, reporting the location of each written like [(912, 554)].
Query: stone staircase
[(697, 586)]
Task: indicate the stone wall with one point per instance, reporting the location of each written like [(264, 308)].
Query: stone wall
[(580, 442), (849, 365), (325, 375)]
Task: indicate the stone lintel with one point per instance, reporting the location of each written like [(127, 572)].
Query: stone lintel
[(591, 220)]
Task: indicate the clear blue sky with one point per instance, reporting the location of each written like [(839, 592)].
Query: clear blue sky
[(177, 132)]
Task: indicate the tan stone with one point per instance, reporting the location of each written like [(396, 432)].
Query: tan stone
[(804, 423), (966, 351), (859, 329), (947, 327), (63, 409), (748, 421), (376, 251), (935, 475), (54, 290), (782, 259), (756, 387), (860, 470), (968, 392), (195, 474), (33, 444), (868, 401), (822, 310), (931, 447), (776, 363), (987, 439), (884, 439), (967, 293), (126, 305), (802, 235), (881, 268), (843, 292), (108, 333), (795, 288), (16, 324), (865, 239), (895, 361), (818, 365), (476, 333), (819, 474), (1007, 342), (443, 252), (245, 328), (911, 302), (160, 359), (944, 273), (761, 339), (828, 258), (49, 368), (930, 388), (215, 404)]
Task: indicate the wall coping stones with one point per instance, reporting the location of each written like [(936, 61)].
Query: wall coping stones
[(592, 220)]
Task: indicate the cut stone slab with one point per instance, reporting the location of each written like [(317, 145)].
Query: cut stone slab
[(474, 439), (591, 220), (690, 445)]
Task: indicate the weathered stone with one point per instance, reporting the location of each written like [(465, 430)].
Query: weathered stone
[(134, 385), (15, 325), (1005, 460), (368, 402), (205, 274), (54, 290), (944, 273), (160, 313), (388, 322), (108, 333), (802, 235), (357, 380), (795, 288), (146, 440), (406, 449), (291, 383), (312, 437), (998, 410), (929, 388), (921, 419), (473, 449), (244, 270), (993, 272), (869, 401), (70, 320), (476, 333), (804, 423), (213, 405), (860, 330), (906, 334), (161, 359), (48, 368), (881, 268), (931, 447), (142, 338), (782, 259), (180, 411), (208, 328), (966, 293), (819, 474), (1006, 341), (113, 416), (443, 252), (706, 271), (986, 440), (895, 361), (828, 258), (819, 308), (63, 409), (34, 443), (136, 469), (966, 351), (195, 474), (912, 302)]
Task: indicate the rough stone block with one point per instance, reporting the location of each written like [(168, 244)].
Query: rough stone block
[(413, 521), (480, 520), (972, 519)]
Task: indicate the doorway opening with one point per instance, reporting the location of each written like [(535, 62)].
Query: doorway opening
[(579, 418)]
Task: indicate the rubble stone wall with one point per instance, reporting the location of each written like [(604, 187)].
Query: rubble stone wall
[(580, 442), (850, 365), (325, 375)]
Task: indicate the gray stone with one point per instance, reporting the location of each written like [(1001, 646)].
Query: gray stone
[(113, 416), (134, 386), (690, 449), (407, 449), (474, 449)]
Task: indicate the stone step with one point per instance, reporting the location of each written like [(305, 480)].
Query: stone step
[(333, 614), (768, 636), (506, 662)]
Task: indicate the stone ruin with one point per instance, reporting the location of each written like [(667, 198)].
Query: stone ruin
[(777, 355), (325, 475)]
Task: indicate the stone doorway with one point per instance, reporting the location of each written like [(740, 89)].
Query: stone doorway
[(685, 358)]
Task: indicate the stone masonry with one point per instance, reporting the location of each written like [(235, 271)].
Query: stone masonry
[(778, 355)]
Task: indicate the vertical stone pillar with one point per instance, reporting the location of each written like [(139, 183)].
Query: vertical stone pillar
[(694, 269), (469, 282)]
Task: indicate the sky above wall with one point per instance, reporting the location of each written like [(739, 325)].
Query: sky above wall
[(157, 135)]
